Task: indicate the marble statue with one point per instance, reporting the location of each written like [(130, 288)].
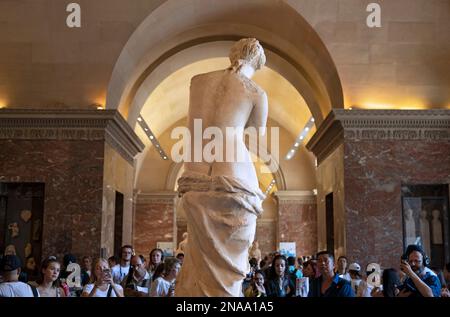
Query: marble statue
[(221, 198), (14, 227), (437, 227), (255, 252), (182, 244), (425, 232), (410, 227)]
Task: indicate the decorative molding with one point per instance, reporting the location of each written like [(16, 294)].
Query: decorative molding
[(296, 197), (378, 125), (86, 125), (166, 197)]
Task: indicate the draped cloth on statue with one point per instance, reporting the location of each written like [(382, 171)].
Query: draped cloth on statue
[(221, 213)]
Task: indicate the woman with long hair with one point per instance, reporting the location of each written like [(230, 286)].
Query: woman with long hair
[(256, 287), (280, 283), (48, 282), (102, 284)]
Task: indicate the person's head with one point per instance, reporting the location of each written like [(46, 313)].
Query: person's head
[(416, 258), (279, 266), (10, 267), (325, 262), (291, 261), (180, 257), (354, 271), (391, 282), (69, 258), (247, 52), (112, 260), (100, 265), (126, 252), (136, 262), (258, 278), (171, 268), (300, 262), (342, 264), (156, 256), (50, 269), (310, 269), (253, 263), (30, 263), (87, 263)]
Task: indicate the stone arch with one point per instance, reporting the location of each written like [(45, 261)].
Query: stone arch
[(161, 44)]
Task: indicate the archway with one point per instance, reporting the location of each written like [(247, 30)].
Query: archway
[(160, 45)]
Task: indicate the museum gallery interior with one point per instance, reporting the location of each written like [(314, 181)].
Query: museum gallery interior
[(361, 111)]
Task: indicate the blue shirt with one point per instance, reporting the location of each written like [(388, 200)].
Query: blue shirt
[(338, 288), (431, 280)]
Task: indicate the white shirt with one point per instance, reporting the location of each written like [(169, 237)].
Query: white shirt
[(118, 273), (160, 288), (99, 293), (346, 276), (15, 289), (364, 289)]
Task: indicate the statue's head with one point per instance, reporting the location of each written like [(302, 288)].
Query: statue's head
[(185, 235), (247, 51)]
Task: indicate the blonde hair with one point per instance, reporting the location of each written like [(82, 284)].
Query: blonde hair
[(93, 278), (247, 51)]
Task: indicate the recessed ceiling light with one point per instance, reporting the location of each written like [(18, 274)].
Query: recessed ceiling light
[(140, 119), (312, 120), (297, 144), (307, 129), (152, 137)]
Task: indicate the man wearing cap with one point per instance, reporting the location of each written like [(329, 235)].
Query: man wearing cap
[(11, 286), (420, 282), (355, 275)]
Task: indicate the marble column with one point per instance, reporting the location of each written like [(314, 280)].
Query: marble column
[(154, 220), (297, 220)]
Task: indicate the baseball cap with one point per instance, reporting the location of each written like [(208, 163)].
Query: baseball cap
[(354, 267), (10, 263)]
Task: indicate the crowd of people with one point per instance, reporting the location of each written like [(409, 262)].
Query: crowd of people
[(275, 275)]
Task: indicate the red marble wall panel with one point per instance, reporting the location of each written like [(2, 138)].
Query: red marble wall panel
[(298, 223), (153, 223), (373, 174), (266, 232), (73, 175)]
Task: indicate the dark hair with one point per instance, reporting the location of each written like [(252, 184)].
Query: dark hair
[(158, 271), (342, 257), (69, 258), (260, 272), (113, 258), (253, 262), (290, 261), (44, 265), (314, 267), (272, 271), (142, 258), (329, 253), (126, 246), (170, 264), (262, 263), (391, 281), (447, 267)]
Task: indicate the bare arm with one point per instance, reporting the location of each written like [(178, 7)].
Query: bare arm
[(423, 288), (258, 116)]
